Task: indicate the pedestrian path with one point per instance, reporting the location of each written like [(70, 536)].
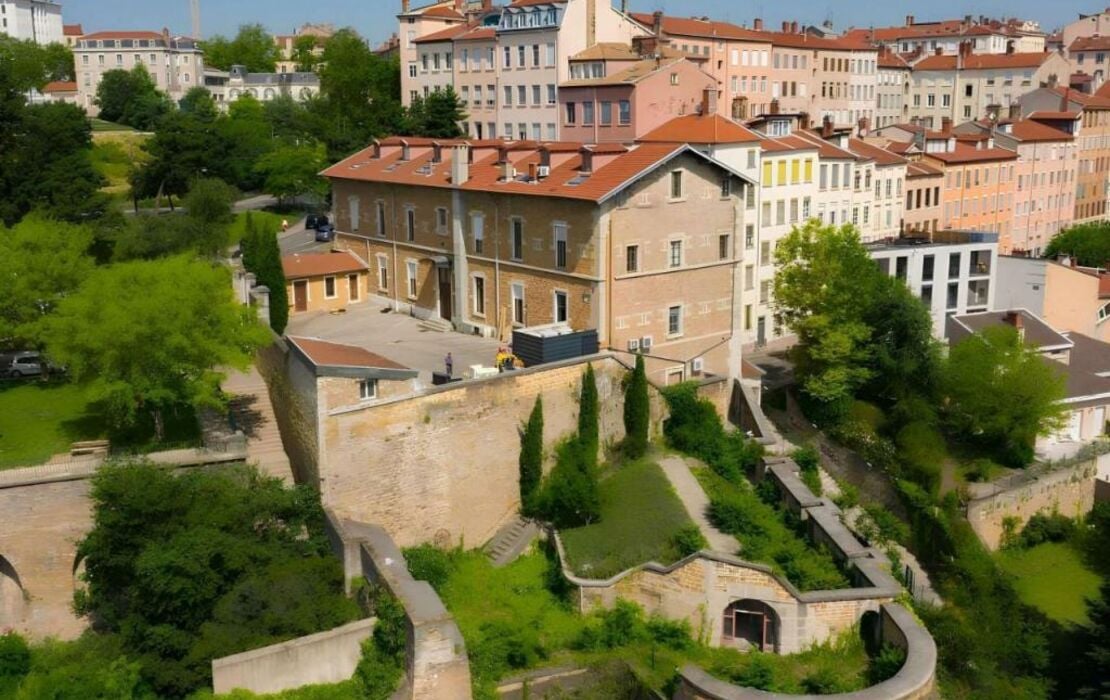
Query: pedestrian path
[(697, 503), (253, 413)]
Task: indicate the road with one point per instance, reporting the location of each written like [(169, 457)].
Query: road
[(250, 203)]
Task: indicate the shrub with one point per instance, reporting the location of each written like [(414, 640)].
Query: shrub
[(886, 663), (689, 540), (531, 458), (809, 462), (759, 674), (981, 470), (15, 656), (618, 626), (890, 528), (694, 427), (674, 634), (922, 449), (637, 411), (429, 563), (867, 413), (848, 497), (588, 439), (571, 497), (503, 646), (1047, 527)]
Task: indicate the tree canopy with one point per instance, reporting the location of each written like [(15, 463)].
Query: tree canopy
[(33, 66), (437, 116), (253, 47), (1088, 243), (151, 335), (292, 170), (131, 98)]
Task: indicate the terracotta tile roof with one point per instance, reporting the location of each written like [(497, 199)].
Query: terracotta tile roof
[(121, 35), (632, 74), (1030, 131), (786, 144), (1098, 101), (889, 59), (1090, 43), (808, 41), (881, 156), (1054, 115), (60, 86), (72, 30), (1103, 91), (321, 352), (447, 34), (607, 51), (696, 128), (700, 28), (527, 3), (826, 149), (918, 169), (478, 34), (901, 147), (964, 153), (621, 166), (441, 11), (978, 61), (300, 265)]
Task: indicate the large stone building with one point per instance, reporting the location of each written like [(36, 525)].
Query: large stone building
[(983, 34), (638, 243), (229, 86), (176, 64), (39, 21)]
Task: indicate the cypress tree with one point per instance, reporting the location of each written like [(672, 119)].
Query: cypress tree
[(248, 245), (275, 280), (637, 411), (587, 420), (531, 458)]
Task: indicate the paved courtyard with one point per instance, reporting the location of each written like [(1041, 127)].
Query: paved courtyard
[(396, 336)]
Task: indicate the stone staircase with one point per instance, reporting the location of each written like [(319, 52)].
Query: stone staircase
[(511, 541), (436, 324), (252, 413)]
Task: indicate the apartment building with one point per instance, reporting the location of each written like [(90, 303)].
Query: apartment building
[(1068, 296), (39, 21), (985, 35), (884, 172), (843, 77), (414, 23), (1088, 58), (891, 89), (952, 272), (287, 43), (972, 86), (923, 210), (978, 192), (1095, 24), (494, 236), (72, 33), (1092, 142), (1044, 193), (176, 64)]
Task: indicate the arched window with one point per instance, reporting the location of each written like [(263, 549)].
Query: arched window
[(750, 624), (269, 94)]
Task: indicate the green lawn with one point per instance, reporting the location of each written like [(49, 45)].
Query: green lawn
[(41, 419), (1052, 578), (267, 220), (640, 515), (101, 125)]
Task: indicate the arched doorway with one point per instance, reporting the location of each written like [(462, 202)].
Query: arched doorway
[(750, 624), (12, 599)]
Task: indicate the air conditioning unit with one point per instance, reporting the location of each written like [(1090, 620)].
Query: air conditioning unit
[(634, 345), (698, 365), (543, 171), (645, 343)]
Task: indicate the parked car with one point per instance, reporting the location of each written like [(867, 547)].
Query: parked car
[(325, 233), (25, 364), (315, 221)]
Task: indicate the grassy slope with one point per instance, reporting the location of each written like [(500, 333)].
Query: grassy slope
[(268, 221), (640, 515), (1052, 578)]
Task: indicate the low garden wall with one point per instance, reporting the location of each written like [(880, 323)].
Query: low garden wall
[(325, 657), (1069, 490)]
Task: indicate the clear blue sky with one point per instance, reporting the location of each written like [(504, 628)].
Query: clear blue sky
[(375, 18)]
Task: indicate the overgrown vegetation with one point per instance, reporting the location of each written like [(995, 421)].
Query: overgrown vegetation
[(1087, 243), (570, 495), (262, 256)]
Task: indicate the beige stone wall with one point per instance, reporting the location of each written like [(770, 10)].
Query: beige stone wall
[(443, 465), (317, 296), (293, 395), (1070, 492)]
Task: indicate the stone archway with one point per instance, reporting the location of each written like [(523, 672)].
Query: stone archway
[(13, 599), (750, 624)]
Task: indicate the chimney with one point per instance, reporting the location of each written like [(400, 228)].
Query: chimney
[(460, 166), (946, 125), (406, 152), (709, 102), (803, 120), (657, 23), (939, 51), (758, 24), (508, 172), (793, 27), (404, 6), (909, 20), (864, 127), (1065, 99), (826, 127), (965, 48), (774, 108), (1009, 48), (1015, 319), (587, 155), (533, 172), (502, 154), (377, 146), (458, 5), (785, 27), (437, 152), (545, 156), (624, 6)]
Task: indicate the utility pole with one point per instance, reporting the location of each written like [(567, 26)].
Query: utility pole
[(194, 6)]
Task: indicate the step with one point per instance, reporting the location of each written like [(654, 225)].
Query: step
[(511, 541), (436, 324)]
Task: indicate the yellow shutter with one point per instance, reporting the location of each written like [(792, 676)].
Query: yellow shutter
[(795, 171), (782, 172), (766, 173), (809, 171)]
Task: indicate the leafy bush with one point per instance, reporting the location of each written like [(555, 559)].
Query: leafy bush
[(637, 411), (624, 625), (886, 663), (429, 563), (383, 655), (570, 496), (689, 540), (531, 458), (848, 497), (503, 646), (890, 528), (15, 656), (867, 413), (981, 470), (809, 462), (674, 634), (1046, 527), (694, 427), (921, 447)]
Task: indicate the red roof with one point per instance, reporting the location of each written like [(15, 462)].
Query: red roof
[(919, 169), (321, 352), (889, 59), (1097, 101), (60, 86), (695, 128), (122, 35), (447, 34), (978, 61), (1029, 131), (441, 11), (803, 40), (701, 28), (72, 30), (787, 143), (565, 180), (300, 265), (825, 148), (881, 156), (1090, 43), (964, 153), (1054, 115)]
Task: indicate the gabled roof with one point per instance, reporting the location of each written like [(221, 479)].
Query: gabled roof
[(122, 35), (1030, 131), (607, 51), (825, 148), (1098, 101), (1063, 116), (620, 167), (881, 156), (919, 169), (301, 265), (889, 59), (699, 129), (441, 10), (60, 86), (701, 28), (630, 75), (979, 61), (781, 144), (805, 40), (1090, 43), (322, 352), (448, 34)]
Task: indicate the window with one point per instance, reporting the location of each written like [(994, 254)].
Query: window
[(625, 112), (352, 202), (441, 221), (570, 113), (560, 307), (927, 265), (329, 288), (606, 113), (508, 96), (723, 246), (550, 94), (765, 253), (588, 112), (749, 237), (560, 245), (749, 278), (381, 218), (383, 272), (522, 95), (674, 321), (676, 184), (520, 54), (410, 224), (517, 291), (411, 269), (764, 291), (536, 95), (632, 258), (477, 230), (368, 389), (676, 254), (535, 55), (766, 173), (480, 296), (518, 239), (726, 186)]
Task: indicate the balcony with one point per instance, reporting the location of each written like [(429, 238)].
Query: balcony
[(979, 263)]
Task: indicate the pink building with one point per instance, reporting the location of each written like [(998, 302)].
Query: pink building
[(1045, 187), (420, 22), (622, 106)]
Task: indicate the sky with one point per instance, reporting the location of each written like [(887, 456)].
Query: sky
[(376, 19)]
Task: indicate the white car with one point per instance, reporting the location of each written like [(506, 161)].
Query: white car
[(25, 364)]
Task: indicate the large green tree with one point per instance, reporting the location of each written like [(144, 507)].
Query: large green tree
[(305, 52), (531, 458), (637, 411), (1001, 394), (209, 210), (253, 47), (32, 66), (131, 98), (293, 170), (438, 115), (184, 147), (1088, 243), (825, 278), (42, 261), (151, 335)]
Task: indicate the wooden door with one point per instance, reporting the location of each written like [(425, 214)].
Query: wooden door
[(445, 305), (352, 287), (300, 295)]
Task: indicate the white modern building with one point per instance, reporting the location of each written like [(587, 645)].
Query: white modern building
[(229, 86), (953, 272), (37, 20)]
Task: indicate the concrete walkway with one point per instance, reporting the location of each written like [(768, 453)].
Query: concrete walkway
[(254, 415), (697, 503)]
